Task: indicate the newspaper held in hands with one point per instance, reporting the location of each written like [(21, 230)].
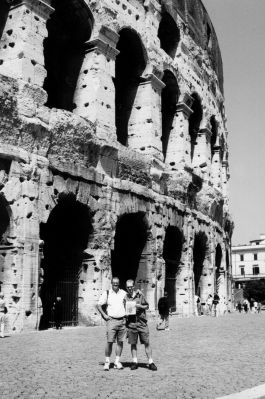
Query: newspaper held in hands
[(130, 308)]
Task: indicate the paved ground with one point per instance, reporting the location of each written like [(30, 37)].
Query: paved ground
[(198, 358)]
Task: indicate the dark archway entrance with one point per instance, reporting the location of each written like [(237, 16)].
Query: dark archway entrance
[(168, 34), (65, 237), (68, 28), (130, 64), (218, 260), (194, 122), (130, 240), (4, 9), (169, 99), (172, 254), (199, 255), (214, 131)]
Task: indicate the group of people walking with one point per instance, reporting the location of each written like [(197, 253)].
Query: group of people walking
[(125, 315), (248, 306)]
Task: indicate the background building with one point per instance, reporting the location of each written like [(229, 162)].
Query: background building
[(248, 261), (113, 155)]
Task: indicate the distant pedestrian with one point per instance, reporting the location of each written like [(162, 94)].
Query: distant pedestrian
[(197, 301), (3, 316), (216, 300), (58, 312), (136, 306), (239, 307), (163, 309), (209, 304), (259, 307), (114, 315), (246, 305)]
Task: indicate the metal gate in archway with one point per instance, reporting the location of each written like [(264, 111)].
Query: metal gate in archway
[(67, 289)]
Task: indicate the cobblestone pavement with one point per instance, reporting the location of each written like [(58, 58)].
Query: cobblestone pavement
[(198, 358)]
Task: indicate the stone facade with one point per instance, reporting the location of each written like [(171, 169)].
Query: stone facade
[(113, 155)]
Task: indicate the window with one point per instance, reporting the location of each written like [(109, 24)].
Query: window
[(255, 256), (242, 271), (241, 258), (255, 270)]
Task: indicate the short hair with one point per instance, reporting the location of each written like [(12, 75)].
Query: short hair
[(130, 281), (115, 278)]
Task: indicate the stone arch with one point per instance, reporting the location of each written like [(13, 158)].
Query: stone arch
[(200, 253), (5, 221), (214, 130), (4, 9), (172, 252), (218, 262), (65, 237), (130, 64), (195, 122), (168, 34), (129, 242), (169, 100), (69, 27)]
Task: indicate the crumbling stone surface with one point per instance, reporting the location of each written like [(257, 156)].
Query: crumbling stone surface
[(121, 169)]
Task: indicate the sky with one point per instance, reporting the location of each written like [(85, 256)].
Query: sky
[(240, 28)]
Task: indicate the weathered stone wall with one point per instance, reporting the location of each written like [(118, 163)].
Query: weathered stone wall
[(95, 142)]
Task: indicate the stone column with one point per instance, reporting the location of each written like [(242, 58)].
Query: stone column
[(224, 178), (202, 152), (178, 150), (95, 91), (21, 51), (145, 123), (216, 168)]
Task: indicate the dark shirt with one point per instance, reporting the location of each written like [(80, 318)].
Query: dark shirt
[(163, 305), (140, 319)]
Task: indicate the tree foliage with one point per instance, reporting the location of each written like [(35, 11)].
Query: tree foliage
[(255, 289)]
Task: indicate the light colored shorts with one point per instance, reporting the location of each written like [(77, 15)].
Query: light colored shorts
[(116, 330), (3, 317)]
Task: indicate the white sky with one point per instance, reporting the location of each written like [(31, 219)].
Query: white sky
[(240, 28)]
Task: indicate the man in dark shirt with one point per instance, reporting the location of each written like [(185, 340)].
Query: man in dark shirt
[(136, 306), (163, 309)]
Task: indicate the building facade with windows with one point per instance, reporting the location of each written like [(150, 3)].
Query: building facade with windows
[(248, 261), (113, 156)]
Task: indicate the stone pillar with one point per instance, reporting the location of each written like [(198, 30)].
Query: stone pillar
[(224, 178), (178, 150), (95, 92), (184, 284), (202, 152), (21, 51), (145, 123), (216, 168)]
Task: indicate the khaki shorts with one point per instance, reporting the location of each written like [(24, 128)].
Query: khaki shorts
[(3, 317), (116, 330), (141, 332)]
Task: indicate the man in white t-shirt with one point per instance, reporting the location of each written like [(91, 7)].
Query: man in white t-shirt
[(114, 299)]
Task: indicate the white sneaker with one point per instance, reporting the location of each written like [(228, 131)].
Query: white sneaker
[(106, 366), (118, 365)]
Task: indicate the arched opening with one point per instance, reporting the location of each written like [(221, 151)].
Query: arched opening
[(172, 254), (65, 237), (168, 34), (218, 260), (4, 222), (130, 64), (4, 9), (214, 131), (169, 99), (68, 28), (194, 122), (199, 255), (130, 240)]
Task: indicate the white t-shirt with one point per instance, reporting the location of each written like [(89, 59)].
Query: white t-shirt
[(115, 302)]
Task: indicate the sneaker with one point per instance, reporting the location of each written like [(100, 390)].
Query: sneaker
[(134, 366), (152, 367), (167, 329), (106, 366), (118, 365)]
